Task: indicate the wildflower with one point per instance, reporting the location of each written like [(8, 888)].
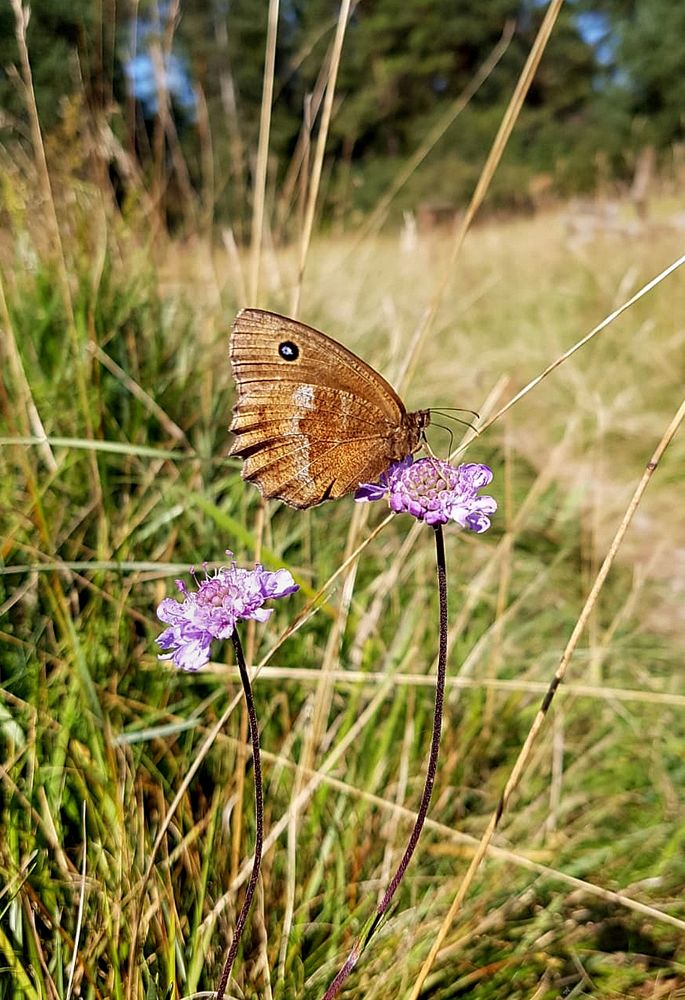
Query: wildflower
[(211, 612), (435, 492)]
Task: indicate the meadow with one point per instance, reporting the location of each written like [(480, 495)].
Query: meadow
[(131, 486), (126, 814)]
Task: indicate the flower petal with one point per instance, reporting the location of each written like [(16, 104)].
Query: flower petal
[(435, 492), (211, 612)]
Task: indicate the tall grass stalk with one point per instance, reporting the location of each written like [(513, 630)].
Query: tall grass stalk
[(319, 151), (259, 192), (21, 20), (462, 226), (607, 321), (523, 758)]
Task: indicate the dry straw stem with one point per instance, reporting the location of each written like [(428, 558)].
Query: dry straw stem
[(136, 390), (317, 167), (523, 757), (188, 777), (354, 678), (27, 412), (500, 554), (259, 192), (504, 582), (230, 108), (231, 248), (81, 904), (379, 214), (21, 20), (299, 161), (576, 347), (486, 175), (165, 128), (43, 822), (463, 842)]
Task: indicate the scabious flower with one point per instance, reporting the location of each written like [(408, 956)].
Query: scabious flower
[(222, 598), (435, 492)]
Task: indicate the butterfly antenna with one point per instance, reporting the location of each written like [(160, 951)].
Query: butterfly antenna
[(426, 443), (443, 428), (458, 409), (458, 420)]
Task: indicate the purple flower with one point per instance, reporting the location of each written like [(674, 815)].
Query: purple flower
[(212, 611), (435, 492)]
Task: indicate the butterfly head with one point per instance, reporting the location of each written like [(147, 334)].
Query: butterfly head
[(412, 434)]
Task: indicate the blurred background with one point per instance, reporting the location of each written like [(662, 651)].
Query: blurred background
[(165, 98)]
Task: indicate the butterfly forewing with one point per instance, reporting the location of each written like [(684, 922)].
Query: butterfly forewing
[(255, 341), (311, 420)]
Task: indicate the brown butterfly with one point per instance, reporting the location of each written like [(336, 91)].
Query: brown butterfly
[(312, 421)]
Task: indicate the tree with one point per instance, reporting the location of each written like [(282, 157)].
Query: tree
[(645, 66), (71, 51)]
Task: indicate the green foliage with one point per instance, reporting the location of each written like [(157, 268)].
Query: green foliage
[(70, 49), (592, 106), (642, 67)]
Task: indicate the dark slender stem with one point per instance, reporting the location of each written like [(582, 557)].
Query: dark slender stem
[(361, 943), (259, 818)]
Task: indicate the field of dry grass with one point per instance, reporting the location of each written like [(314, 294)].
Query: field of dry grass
[(523, 292)]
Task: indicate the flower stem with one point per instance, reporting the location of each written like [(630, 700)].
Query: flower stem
[(382, 908), (259, 817)]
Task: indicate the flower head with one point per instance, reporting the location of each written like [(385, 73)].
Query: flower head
[(435, 492), (211, 612)]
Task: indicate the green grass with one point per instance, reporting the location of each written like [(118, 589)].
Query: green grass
[(91, 720), (116, 399)]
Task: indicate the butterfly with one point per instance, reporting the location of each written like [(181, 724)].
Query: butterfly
[(311, 420)]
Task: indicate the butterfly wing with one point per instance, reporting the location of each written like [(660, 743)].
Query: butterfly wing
[(311, 420)]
